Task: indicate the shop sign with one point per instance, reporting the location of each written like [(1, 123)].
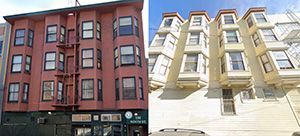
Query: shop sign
[(81, 118), (135, 118)]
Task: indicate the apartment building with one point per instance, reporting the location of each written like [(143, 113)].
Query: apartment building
[(4, 46), (230, 75), (77, 71)]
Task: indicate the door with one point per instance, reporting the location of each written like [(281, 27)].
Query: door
[(71, 36)]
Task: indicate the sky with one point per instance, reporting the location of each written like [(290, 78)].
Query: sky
[(11, 7), (183, 7)]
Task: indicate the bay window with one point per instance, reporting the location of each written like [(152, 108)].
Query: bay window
[(28, 64), (125, 26), (51, 33), (255, 39), (269, 35), (151, 62), (160, 39), (231, 36), (141, 92), (87, 89), (138, 55), (129, 88), (136, 26), (116, 57), (100, 97), (13, 92), (50, 61), (282, 60), (266, 63), (164, 66), (168, 22), (62, 36), (16, 63), (127, 55), (228, 19), (194, 39), (87, 30), (197, 21), (61, 64), (191, 63), (48, 90), (236, 61), (260, 18), (87, 58), (19, 37), (30, 38), (25, 92), (249, 22), (98, 34)]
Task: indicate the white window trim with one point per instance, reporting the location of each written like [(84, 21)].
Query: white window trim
[(254, 18), (202, 21)]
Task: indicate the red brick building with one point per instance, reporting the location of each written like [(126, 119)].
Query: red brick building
[(79, 69)]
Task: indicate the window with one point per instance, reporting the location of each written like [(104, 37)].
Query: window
[(266, 63), (125, 27), (249, 22), (28, 64), (228, 102), (25, 92), (236, 61), (191, 63), (13, 92), (87, 89), (48, 90), (60, 91), (16, 63), (255, 39), (141, 92), (117, 88), (260, 18), (232, 37), (127, 55), (30, 38), (87, 30), (100, 97), (282, 60), (1, 45), (61, 64), (129, 88), (228, 19), (115, 32), (138, 54), (194, 38), (269, 95), (51, 33), (203, 65), (99, 59), (19, 37), (246, 94), (223, 64), (62, 35), (197, 21), (177, 26), (116, 60), (98, 31), (164, 66), (269, 35), (151, 62), (50, 61), (160, 39), (205, 41), (87, 58), (136, 26), (168, 22)]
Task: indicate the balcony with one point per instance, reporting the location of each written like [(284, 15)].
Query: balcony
[(269, 45), (192, 79), (283, 77), (230, 47), (236, 78)]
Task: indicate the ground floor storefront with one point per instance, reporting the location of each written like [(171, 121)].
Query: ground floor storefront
[(92, 123)]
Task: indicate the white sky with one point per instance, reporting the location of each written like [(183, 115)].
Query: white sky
[(11, 7)]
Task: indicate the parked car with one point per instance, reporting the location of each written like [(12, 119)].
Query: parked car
[(178, 132)]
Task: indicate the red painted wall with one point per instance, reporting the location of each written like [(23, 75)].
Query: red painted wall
[(108, 74)]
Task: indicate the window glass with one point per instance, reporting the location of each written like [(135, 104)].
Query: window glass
[(48, 89), (203, 65), (117, 88), (98, 30), (260, 18), (30, 38), (269, 94), (50, 61), (51, 33), (282, 60), (197, 21), (87, 30), (129, 88), (228, 19), (100, 90), (13, 94), (87, 89), (17, 63), (138, 54), (25, 92), (228, 102), (60, 91), (99, 59), (269, 35), (19, 39), (141, 93), (28, 64), (136, 27), (125, 27), (232, 37), (87, 58), (168, 22), (61, 61), (164, 66), (127, 55), (249, 22), (266, 63), (151, 62), (62, 34), (236, 61), (116, 59), (255, 39), (160, 39), (191, 62), (194, 39), (223, 64), (115, 32)]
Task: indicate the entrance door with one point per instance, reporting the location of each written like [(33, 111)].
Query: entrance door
[(71, 36)]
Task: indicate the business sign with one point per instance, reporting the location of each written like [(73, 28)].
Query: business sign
[(136, 117), (111, 117), (81, 118)]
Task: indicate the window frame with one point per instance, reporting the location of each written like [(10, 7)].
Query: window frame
[(17, 92), (264, 63), (132, 55), (136, 26), (138, 55), (154, 56), (232, 19), (99, 59), (273, 34), (194, 23), (269, 99), (141, 88), (30, 38), (43, 90), (87, 79), (230, 99), (115, 30), (230, 36), (61, 63), (12, 63), (191, 62), (82, 59), (131, 25), (45, 61), (15, 44), (61, 35), (117, 89), (100, 90), (231, 62), (193, 38), (165, 22), (123, 88), (257, 39), (257, 19), (116, 58), (223, 64), (26, 63), (162, 65), (280, 59), (249, 22), (47, 34), (98, 32), (62, 91), (92, 29), (25, 92)]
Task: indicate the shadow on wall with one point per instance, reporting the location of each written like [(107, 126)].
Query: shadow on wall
[(175, 93)]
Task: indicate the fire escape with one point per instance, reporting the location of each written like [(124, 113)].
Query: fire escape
[(69, 76), (291, 35)]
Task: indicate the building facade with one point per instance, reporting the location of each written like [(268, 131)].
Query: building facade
[(4, 46), (229, 75), (77, 71)]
